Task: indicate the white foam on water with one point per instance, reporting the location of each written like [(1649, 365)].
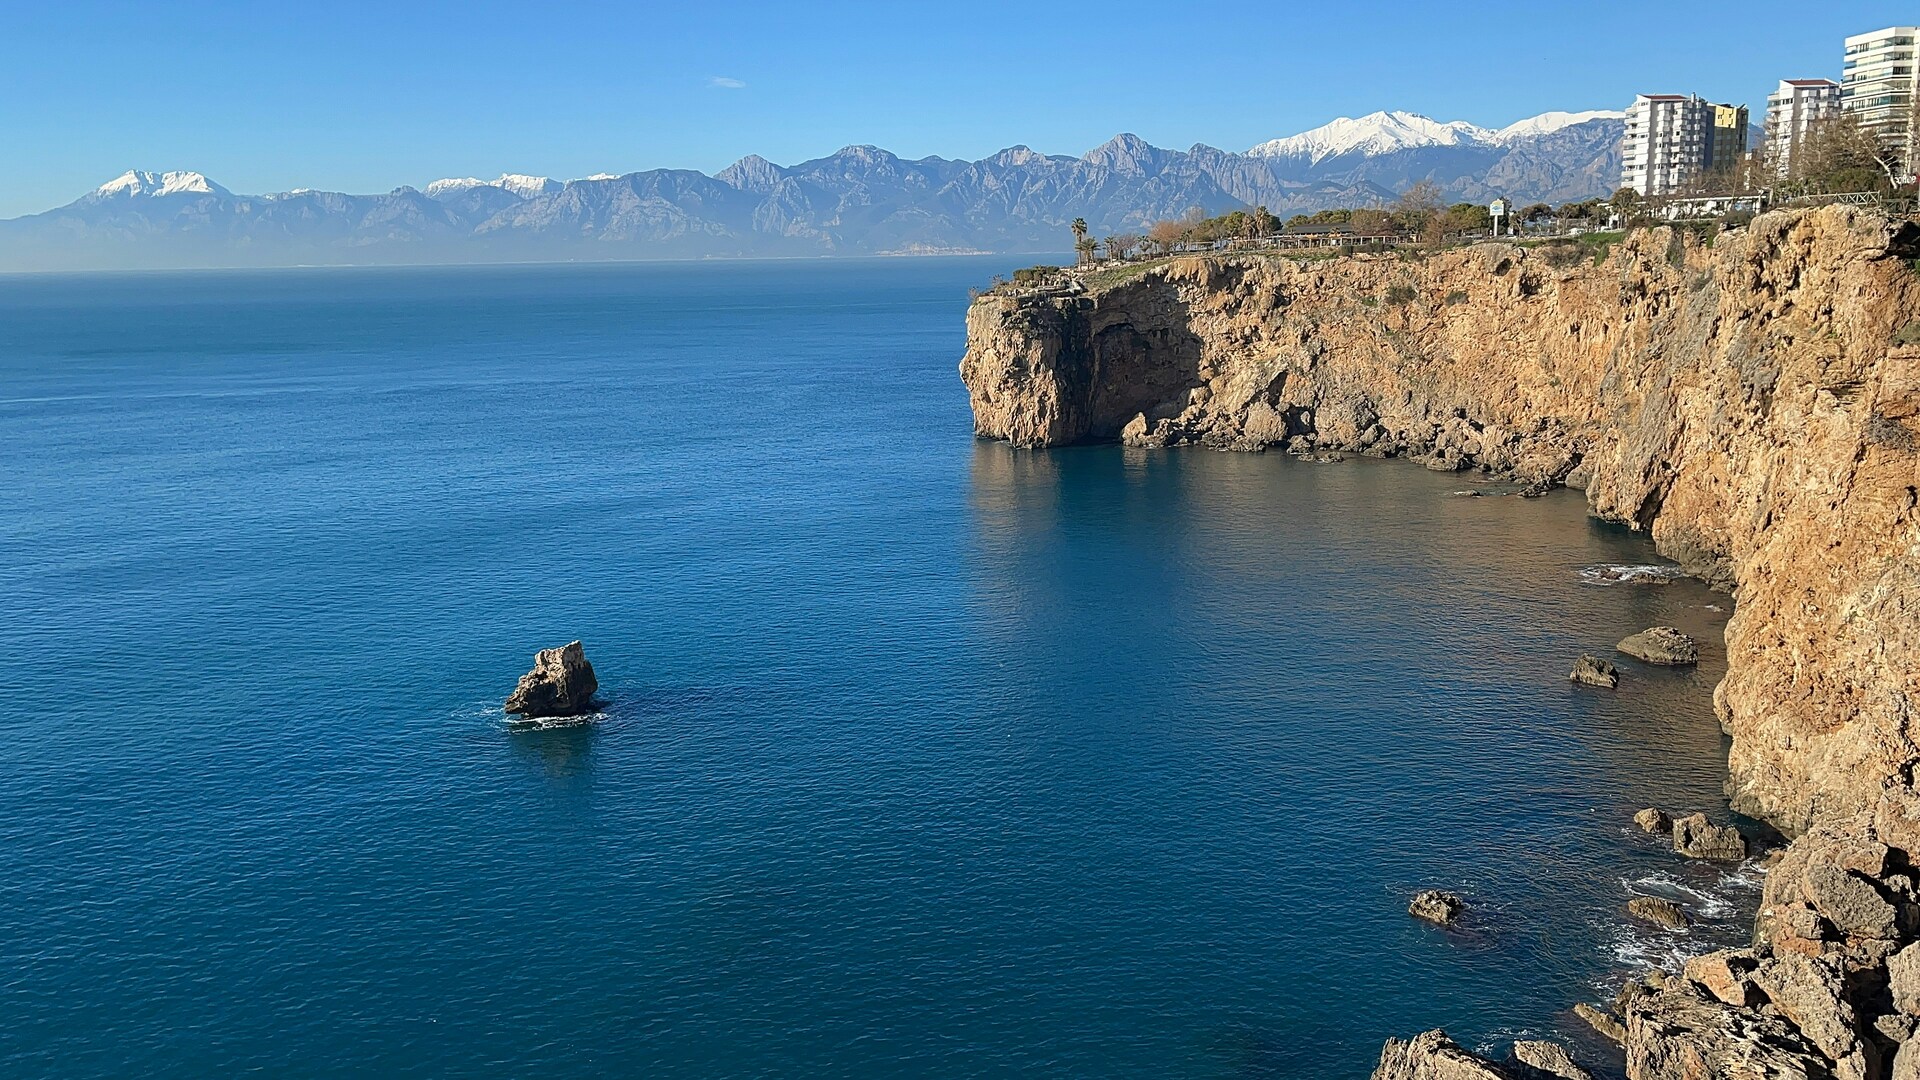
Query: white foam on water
[(1638, 950), (546, 723), (1627, 574)]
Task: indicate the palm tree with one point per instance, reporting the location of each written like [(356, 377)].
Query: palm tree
[(1112, 244), (1079, 228)]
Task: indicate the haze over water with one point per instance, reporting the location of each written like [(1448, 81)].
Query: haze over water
[(921, 756)]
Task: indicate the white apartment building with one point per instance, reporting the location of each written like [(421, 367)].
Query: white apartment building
[(1793, 111), (1672, 138), (1878, 83)]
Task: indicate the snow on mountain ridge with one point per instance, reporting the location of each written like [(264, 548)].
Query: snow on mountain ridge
[(137, 182), (1549, 122), (1385, 132), (519, 184)]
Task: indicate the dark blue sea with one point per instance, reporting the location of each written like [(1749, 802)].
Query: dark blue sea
[(920, 756)]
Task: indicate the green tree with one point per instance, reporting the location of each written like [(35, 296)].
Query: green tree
[(1079, 228), (1627, 202)]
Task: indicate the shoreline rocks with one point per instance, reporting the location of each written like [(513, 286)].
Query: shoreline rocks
[(1697, 838), (1590, 670), (1437, 906), (1602, 1021), (1433, 1055), (561, 684), (1661, 645), (1653, 820)]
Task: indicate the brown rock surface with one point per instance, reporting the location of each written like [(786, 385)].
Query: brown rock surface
[(1433, 1056), (1747, 404), (561, 684), (1697, 838), (1661, 645), (1676, 1034), (1653, 821), (1601, 1021), (1548, 1060), (1727, 975)]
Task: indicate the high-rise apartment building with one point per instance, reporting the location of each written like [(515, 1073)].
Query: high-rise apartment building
[(1878, 85), (1672, 139), (1793, 112)]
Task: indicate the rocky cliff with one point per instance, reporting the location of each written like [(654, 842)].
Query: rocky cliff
[(1753, 404)]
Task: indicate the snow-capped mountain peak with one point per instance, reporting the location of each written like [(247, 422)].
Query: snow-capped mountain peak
[(526, 187), (1386, 132), (136, 182), (1375, 133), (1549, 122)]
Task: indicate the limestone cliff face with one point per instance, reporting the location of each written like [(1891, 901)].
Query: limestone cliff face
[(1753, 405)]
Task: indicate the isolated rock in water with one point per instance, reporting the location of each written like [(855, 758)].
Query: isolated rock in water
[(1590, 670), (1697, 838), (1436, 906), (1548, 1060), (560, 684), (1653, 821), (1433, 1056), (1601, 1021), (1659, 912), (1661, 645)]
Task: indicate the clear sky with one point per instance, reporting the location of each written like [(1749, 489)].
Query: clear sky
[(365, 97)]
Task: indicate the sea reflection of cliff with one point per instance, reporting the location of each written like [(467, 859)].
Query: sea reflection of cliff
[(1255, 586)]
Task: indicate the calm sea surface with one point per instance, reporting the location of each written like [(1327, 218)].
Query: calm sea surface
[(921, 757)]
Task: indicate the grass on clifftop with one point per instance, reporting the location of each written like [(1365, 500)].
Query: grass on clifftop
[(1599, 244), (1120, 275)]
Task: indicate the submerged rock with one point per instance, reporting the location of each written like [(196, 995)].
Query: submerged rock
[(1661, 645), (1590, 670), (1697, 838), (1659, 912), (560, 684), (1653, 820), (1436, 906)]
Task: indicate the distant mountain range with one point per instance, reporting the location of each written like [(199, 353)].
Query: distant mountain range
[(859, 201)]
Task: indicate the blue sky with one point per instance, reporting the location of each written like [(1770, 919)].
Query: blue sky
[(365, 97)]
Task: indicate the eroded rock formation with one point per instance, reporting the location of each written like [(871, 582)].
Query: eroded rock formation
[(561, 684)]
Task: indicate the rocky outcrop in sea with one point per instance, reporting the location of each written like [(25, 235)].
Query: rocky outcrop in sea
[(561, 684), (1752, 404)]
